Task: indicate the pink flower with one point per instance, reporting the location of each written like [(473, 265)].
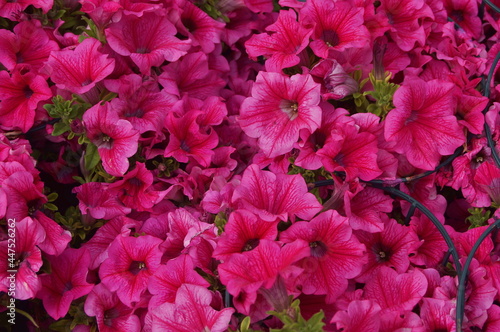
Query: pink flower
[(66, 282), (27, 261), (335, 255), (110, 313), (135, 190), (116, 140), (10, 9), (390, 248), (396, 292), (20, 95), (423, 125), (279, 108), (28, 45), (286, 40), (96, 199), (200, 28), (169, 278), (80, 69), (188, 141), (243, 232), (273, 197), (130, 264), (149, 40), (337, 26), (190, 312), (360, 316)]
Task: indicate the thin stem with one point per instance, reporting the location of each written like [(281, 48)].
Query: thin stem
[(492, 6), (462, 281)]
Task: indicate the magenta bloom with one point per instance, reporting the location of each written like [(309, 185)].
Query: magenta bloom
[(272, 196), (337, 26), (28, 259), (396, 292), (335, 254), (243, 232), (115, 138), (286, 40), (96, 199), (131, 262), (66, 282), (360, 316), (20, 95), (279, 108), (110, 313), (188, 141), (149, 40), (390, 248), (28, 45), (423, 125), (135, 190), (191, 311), (80, 69)]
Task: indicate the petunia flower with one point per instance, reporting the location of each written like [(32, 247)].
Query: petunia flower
[(188, 141), (79, 70), (390, 248), (116, 139), (20, 95), (199, 27), (190, 312), (396, 292), (27, 259), (335, 254), (423, 125), (131, 262), (66, 282), (273, 197), (148, 40), (96, 199), (135, 189), (286, 39), (360, 316), (337, 25), (279, 108), (29, 45), (110, 313), (243, 232)]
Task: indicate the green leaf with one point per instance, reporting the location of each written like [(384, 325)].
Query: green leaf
[(92, 157), (52, 197), (50, 206), (59, 128)]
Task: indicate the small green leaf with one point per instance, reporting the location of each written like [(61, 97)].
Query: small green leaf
[(92, 157), (52, 197), (59, 128), (50, 206)]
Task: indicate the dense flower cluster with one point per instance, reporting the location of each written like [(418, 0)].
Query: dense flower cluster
[(162, 162)]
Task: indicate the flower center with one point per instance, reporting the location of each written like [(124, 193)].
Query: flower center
[(318, 249), (104, 141), (290, 107), (251, 244), (382, 253), (136, 267), (330, 37), (143, 50)]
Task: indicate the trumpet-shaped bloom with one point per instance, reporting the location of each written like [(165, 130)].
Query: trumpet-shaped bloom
[(149, 40), (66, 282), (286, 40), (116, 139), (272, 196), (80, 69), (188, 141), (337, 25), (423, 125), (20, 95), (111, 314), (335, 254), (191, 311), (279, 108), (130, 264)]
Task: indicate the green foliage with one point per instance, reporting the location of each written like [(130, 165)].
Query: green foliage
[(92, 157), (67, 111), (220, 222), (478, 217), (382, 94), (166, 166), (293, 320), (213, 9), (72, 221)]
